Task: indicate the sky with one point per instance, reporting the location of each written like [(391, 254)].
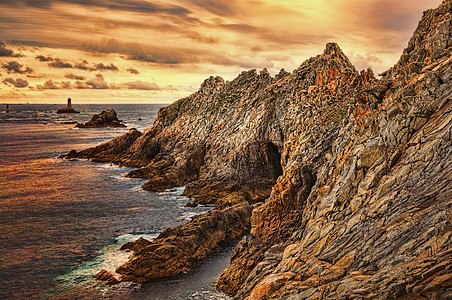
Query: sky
[(120, 51)]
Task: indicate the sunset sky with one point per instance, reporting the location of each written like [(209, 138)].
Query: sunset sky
[(119, 51)]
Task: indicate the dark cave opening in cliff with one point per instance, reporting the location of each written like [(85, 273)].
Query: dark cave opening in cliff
[(274, 158)]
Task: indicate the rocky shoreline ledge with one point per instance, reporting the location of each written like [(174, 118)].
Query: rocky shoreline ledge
[(350, 176)]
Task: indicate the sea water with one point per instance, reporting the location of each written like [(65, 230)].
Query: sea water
[(62, 221)]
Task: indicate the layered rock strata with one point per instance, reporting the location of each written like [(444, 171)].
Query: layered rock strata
[(176, 250), (105, 151), (376, 223), (355, 172), (107, 118)]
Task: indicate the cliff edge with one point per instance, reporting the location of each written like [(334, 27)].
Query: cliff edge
[(350, 175)]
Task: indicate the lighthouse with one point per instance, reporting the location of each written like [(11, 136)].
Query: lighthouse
[(68, 109)]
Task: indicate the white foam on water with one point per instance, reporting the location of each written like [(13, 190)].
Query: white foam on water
[(109, 259), (176, 191)]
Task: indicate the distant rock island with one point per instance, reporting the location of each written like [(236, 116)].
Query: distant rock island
[(68, 109), (344, 180), (106, 118)]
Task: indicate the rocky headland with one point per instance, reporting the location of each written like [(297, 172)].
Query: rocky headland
[(104, 152), (349, 176), (107, 118)]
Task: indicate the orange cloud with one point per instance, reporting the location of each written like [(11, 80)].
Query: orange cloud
[(188, 40), (51, 85), (141, 85), (18, 83), (15, 67)]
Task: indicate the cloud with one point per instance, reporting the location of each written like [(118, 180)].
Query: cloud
[(400, 15), (18, 83), (4, 52), (16, 67), (174, 56), (54, 85), (218, 7), (83, 65), (142, 85), (81, 85), (102, 67), (44, 58), (121, 5), (97, 82), (75, 77), (133, 71), (59, 64), (361, 61), (140, 52)]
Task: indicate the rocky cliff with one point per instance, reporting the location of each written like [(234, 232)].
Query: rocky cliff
[(351, 174)]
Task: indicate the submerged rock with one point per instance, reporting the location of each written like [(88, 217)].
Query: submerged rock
[(106, 118)]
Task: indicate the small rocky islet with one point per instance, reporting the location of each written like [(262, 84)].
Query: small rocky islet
[(343, 179), (107, 118), (68, 109)]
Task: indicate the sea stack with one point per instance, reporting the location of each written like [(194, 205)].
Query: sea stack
[(106, 118), (68, 109)]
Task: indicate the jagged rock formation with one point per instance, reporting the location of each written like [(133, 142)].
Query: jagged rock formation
[(107, 277), (106, 118), (355, 172), (176, 250), (105, 151), (376, 221)]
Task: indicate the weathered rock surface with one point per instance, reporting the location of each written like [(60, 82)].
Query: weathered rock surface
[(107, 118), (175, 251), (376, 223), (107, 277), (355, 173), (105, 151), (137, 245)]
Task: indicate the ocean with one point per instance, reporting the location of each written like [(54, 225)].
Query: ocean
[(62, 221)]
